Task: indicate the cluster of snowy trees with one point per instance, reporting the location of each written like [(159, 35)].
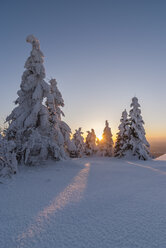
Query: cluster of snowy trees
[(130, 142), (36, 131), (92, 145)]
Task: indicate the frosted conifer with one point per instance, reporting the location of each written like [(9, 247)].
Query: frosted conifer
[(138, 145), (79, 143), (106, 144), (29, 123), (62, 131), (122, 141), (90, 143), (53, 102), (8, 162), (68, 143)]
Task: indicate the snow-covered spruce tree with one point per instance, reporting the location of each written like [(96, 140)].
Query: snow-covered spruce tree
[(8, 162), (69, 145), (106, 144), (29, 125), (61, 130), (90, 144), (122, 141), (79, 142), (138, 145), (53, 101)]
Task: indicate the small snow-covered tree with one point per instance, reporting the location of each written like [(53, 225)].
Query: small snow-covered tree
[(8, 162), (122, 141), (138, 145), (68, 143), (106, 144), (29, 122), (1, 132), (90, 144), (54, 101), (79, 143)]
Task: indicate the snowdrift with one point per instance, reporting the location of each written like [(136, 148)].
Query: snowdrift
[(163, 157)]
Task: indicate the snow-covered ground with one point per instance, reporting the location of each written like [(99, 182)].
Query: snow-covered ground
[(85, 203)]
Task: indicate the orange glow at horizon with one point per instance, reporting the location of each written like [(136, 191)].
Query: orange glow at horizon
[(152, 135), (99, 137), (150, 138)]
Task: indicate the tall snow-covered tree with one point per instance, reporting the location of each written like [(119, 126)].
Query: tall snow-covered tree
[(138, 145), (78, 140), (29, 124), (122, 141), (53, 101), (90, 144), (62, 131), (106, 144)]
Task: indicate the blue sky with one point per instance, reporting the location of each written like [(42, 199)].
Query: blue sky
[(102, 53)]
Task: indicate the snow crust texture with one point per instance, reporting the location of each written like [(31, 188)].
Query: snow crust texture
[(85, 203)]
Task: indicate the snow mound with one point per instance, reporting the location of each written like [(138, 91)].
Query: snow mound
[(163, 157)]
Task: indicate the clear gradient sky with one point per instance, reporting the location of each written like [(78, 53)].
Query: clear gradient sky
[(102, 53)]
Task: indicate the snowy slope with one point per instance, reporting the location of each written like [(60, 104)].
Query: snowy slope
[(85, 203), (163, 157)]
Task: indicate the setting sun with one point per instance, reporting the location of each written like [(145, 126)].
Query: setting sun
[(99, 137)]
